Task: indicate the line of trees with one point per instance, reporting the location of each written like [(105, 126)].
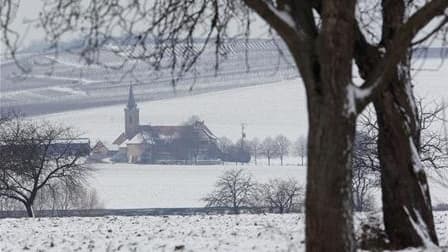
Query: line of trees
[(270, 148)]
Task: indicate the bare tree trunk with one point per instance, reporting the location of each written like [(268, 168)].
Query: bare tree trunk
[(281, 160), (29, 209), (406, 199), (407, 206), (332, 120), (407, 209), (329, 196), (235, 205)]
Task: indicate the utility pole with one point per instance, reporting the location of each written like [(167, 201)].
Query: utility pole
[(243, 135), (445, 130)]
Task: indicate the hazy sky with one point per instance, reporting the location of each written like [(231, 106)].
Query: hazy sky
[(26, 22), (27, 12)]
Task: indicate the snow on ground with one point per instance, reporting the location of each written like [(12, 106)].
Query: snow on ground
[(267, 110), (269, 232), (195, 233), (270, 109), (170, 186)]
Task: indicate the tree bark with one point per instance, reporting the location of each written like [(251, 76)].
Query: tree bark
[(332, 121), (399, 134), (406, 197), (324, 59), (29, 210), (407, 209), (329, 196)]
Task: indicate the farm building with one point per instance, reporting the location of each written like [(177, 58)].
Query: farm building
[(164, 144)]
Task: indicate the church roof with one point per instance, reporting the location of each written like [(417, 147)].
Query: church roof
[(139, 138), (120, 139), (170, 131), (147, 132), (124, 144)]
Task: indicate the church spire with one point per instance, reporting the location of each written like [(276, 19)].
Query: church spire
[(131, 115), (131, 100)]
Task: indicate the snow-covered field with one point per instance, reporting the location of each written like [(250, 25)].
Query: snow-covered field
[(170, 186), (270, 109), (267, 110), (269, 232)]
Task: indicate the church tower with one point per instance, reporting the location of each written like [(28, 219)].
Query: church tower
[(131, 116)]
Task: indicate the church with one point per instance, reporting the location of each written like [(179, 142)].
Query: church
[(191, 143)]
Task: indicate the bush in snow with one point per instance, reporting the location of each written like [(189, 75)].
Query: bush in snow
[(281, 195), (66, 196), (235, 189)]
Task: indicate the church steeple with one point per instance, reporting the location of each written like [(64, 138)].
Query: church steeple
[(131, 116), (131, 100)]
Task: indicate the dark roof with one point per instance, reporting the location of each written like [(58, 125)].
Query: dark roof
[(172, 131), (168, 131), (99, 145), (165, 130)]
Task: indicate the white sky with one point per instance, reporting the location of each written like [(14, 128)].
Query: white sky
[(26, 22)]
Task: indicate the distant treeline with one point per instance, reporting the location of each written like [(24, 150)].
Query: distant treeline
[(244, 150)]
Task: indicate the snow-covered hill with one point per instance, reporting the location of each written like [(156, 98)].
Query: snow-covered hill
[(65, 82)]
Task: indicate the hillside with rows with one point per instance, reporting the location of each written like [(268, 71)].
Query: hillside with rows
[(63, 82)]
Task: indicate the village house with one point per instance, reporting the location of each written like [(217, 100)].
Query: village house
[(191, 143)]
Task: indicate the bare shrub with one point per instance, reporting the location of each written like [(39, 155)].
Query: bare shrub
[(62, 196), (372, 236), (235, 189), (282, 195), (366, 177)]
